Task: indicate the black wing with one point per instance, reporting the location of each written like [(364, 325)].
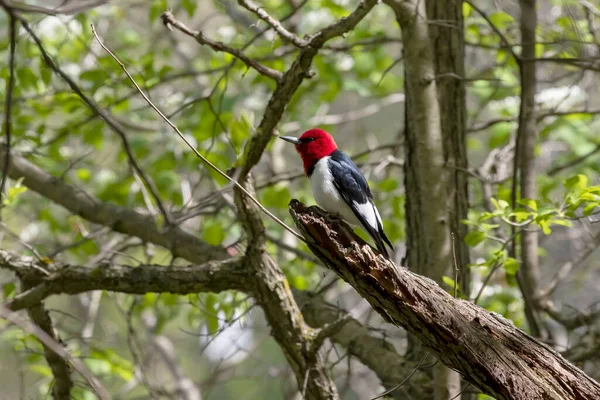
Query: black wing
[(354, 189)]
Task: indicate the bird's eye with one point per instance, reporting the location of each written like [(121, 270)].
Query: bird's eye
[(310, 139)]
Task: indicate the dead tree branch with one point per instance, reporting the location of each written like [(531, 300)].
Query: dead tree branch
[(488, 350)]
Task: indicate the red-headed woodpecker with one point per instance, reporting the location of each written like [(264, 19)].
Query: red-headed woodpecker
[(338, 185)]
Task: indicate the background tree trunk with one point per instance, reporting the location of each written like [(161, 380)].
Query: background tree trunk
[(446, 32), (427, 149), (529, 272)]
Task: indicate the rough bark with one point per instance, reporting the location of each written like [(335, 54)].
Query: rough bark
[(428, 233), (447, 37), (488, 350), (63, 383), (57, 278), (428, 223), (273, 293)]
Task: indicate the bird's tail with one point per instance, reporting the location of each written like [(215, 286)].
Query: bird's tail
[(380, 238)]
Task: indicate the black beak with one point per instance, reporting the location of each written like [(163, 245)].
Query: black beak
[(290, 139)]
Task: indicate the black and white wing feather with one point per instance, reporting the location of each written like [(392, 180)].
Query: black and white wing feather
[(354, 189)]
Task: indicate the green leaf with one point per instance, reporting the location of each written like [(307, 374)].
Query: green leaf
[(466, 9), (158, 7), (14, 192), (94, 76), (41, 369), (388, 184), (212, 321), (84, 174), (276, 197), (499, 204), (511, 266), (473, 238), (589, 209), (189, 6), (213, 232), (578, 181), (529, 203), (501, 19), (545, 225), (8, 289), (450, 282), (26, 78), (488, 227), (563, 222)]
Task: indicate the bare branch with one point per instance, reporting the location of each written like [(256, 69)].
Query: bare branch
[(373, 351), (119, 219), (292, 79), (169, 20), (275, 24), (63, 382), (66, 9), (350, 116), (204, 159), (74, 279)]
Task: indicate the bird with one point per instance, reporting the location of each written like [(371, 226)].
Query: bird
[(338, 185)]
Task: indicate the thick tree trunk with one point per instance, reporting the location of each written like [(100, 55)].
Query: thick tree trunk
[(446, 32), (488, 350), (447, 36), (525, 165), (428, 221)]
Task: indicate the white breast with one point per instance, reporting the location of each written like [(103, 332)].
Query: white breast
[(327, 196)]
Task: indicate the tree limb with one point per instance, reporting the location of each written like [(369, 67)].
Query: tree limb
[(275, 24), (292, 79), (215, 276), (169, 20), (119, 219), (488, 350), (373, 351)]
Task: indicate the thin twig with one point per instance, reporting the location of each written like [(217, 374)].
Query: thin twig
[(56, 347), (276, 25), (454, 260), (110, 121), (404, 381), (169, 21), (8, 105), (204, 159), (461, 392), (66, 9), (505, 43)]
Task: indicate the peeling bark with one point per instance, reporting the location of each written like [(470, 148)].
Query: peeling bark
[(487, 349)]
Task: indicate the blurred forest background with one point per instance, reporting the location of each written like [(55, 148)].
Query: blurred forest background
[(108, 183)]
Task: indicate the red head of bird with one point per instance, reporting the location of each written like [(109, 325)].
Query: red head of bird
[(312, 145)]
